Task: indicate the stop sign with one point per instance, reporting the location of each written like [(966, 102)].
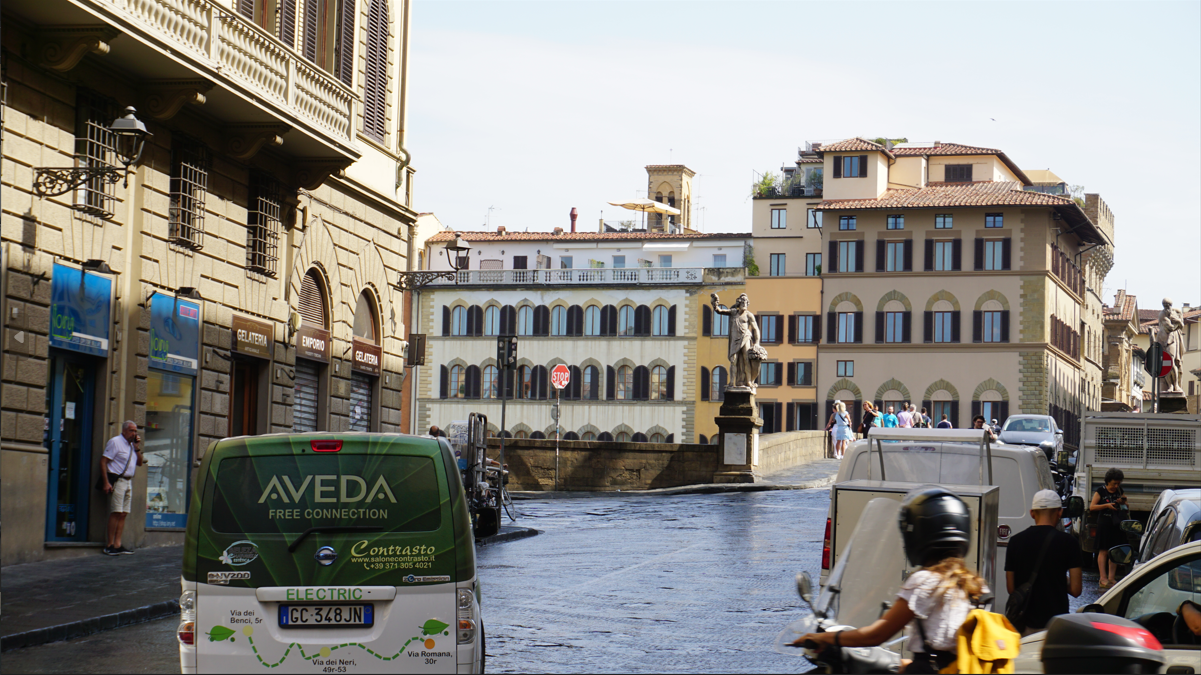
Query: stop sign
[(1166, 366), (560, 376)]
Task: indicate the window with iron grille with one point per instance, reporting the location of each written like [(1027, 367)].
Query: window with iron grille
[(375, 88), (262, 225), (95, 146), (189, 185)]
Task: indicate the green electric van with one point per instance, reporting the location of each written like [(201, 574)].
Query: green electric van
[(330, 553)]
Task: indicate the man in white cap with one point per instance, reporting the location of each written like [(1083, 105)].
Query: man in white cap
[(1047, 559)]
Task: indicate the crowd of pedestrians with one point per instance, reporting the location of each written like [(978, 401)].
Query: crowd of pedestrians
[(842, 430)]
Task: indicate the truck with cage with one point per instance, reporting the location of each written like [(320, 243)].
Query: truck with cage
[(1155, 452)]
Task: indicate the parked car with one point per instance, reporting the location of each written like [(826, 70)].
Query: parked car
[(1037, 430), (1175, 519), (1150, 597)]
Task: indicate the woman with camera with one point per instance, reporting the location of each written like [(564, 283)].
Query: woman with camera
[(1110, 502)]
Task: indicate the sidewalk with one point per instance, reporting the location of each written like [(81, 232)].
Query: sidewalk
[(62, 599)]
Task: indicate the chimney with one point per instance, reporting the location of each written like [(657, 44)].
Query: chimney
[(558, 231), (500, 229), (574, 214), (601, 226), (938, 144)]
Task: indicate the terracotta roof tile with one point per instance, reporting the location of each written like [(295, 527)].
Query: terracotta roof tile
[(944, 149), (583, 236), (1005, 193), (856, 144)]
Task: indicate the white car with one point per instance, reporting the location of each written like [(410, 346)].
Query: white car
[(1149, 596)]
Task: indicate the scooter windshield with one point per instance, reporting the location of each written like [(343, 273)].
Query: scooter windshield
[(872, 569)]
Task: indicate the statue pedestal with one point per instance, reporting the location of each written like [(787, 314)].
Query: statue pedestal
[(1173, 403), (738, 427)]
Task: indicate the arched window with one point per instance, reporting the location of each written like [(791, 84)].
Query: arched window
[(375, 86), (537, 436), (591, 387), (458, 382), (623, 437), (524, 378), (364, 319), (571, 436), (625, 321), (492, 320), (525, 320), (659, 321), (714, 440), (458, 321), (558, 321), (718, 384), (658, 438), (588, 436), (658, 383), (703, 440), (592, 320), (521, 434), (491, 383), (625, 383), (311, 303)]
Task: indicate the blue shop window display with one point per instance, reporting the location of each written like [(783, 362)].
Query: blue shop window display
[(170, 409)]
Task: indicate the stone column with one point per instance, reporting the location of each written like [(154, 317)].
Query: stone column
[(738, 430)]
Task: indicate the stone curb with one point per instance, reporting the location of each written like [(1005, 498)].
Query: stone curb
[(83, 627), (511, 535), (703, 489)]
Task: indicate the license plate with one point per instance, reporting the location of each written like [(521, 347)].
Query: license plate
[(326, 616)]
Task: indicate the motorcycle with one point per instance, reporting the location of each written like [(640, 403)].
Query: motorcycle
[(856, 594)]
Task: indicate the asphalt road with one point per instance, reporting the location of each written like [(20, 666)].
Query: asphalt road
[(699, 583)]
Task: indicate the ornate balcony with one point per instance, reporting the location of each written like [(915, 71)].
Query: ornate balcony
[(627, 276), (198, 51)]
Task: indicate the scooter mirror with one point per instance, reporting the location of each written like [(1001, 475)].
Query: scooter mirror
[(804, 587), (1075, 507), (1132, 527), (1121, 554), (1093, 608)]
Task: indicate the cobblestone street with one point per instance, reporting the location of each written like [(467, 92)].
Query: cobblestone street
[(698, 583)]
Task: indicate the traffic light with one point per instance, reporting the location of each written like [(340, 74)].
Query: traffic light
[(506, 351)]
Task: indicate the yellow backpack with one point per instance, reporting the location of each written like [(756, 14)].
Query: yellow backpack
[(985, 643)]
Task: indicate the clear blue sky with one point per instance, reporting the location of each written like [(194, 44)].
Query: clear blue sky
[(537, 107)]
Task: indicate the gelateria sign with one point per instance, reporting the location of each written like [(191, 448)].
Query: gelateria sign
[(367, 357), (174, 334), (251, 337), (80, 310)]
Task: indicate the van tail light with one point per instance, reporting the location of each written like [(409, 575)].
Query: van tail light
[(187, 633), (466, 626), (826, 547), (326, 446)]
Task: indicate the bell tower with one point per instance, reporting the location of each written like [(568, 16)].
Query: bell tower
[(670, 184)]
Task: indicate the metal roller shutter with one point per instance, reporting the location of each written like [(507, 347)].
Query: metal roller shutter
[(361, 387), (304, 411)]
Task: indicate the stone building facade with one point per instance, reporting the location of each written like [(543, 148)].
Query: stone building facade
[(952, 282), (242, 280)]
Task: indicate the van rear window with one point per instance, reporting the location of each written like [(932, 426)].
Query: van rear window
[(288, 494)]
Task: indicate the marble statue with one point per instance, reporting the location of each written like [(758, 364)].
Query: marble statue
[(746, 352), (1168, 335)]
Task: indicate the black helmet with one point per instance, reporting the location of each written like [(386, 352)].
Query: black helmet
[(935, 524)]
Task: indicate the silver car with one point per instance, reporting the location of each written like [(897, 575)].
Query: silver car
[(1038, 430)]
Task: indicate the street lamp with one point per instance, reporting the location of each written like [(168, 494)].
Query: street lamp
[(411, 281), (129, 140)]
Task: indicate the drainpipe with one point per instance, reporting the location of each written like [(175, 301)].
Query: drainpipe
[(403, 113)]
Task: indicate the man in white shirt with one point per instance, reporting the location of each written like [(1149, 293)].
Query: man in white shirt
[(122, 456), (905, 417)]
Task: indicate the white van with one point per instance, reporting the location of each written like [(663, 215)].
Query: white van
[(945, 457), (330, 553)]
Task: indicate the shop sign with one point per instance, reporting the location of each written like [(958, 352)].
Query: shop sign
[(312, 343), (367, 357), (80, 310), (253, 338), (174, 334)]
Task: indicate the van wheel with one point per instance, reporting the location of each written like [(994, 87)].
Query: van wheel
[(483, 645)]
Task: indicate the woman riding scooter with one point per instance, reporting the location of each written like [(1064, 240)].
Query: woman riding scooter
[(935, 600)]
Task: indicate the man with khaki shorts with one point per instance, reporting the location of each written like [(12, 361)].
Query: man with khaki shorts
[(122, 456)]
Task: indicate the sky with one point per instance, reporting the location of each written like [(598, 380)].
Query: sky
[(521, 110)]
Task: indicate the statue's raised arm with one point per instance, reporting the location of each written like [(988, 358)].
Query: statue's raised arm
[(716, 306)]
